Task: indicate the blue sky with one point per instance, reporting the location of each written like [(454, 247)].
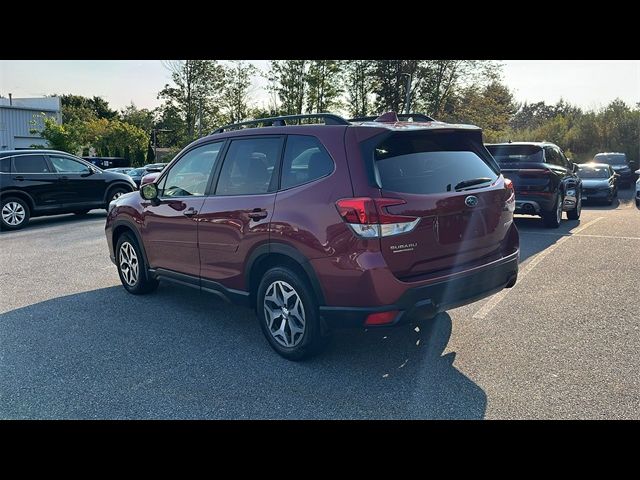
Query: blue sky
[(587, 83)]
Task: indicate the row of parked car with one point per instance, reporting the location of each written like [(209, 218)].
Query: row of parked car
[(136, 174), (547, 183)]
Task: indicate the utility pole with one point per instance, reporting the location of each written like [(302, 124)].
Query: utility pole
[(200, 119), (407, 102)]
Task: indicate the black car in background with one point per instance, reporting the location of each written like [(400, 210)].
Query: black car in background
[(545, 181), (34, 183), (599, 182), (620, 165)]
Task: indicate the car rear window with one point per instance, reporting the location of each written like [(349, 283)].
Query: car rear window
[(611, 159), (431, 163), (516, 153), (30, 164)]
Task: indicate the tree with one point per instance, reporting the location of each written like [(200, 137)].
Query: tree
[(287, 81), (491, 106), (389, 83), (358, 86), (142, 118), (324, 85), (236, 91), (79, 108), (197, 85), (59, 137)]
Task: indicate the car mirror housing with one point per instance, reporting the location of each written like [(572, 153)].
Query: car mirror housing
[(149, 191), (149, 178)]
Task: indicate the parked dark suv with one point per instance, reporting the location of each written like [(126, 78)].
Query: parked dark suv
[(47, 182), (545, 181), (366, 224)]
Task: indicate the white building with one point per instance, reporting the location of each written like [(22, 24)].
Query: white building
[(18, 116)]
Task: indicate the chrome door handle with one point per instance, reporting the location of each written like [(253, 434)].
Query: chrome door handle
[(258, 214)]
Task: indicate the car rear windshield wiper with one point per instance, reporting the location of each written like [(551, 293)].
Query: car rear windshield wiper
[(472, 182)]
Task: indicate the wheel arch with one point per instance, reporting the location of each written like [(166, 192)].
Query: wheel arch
[(116, 184), (279, 254), (23, 196), (123, 226)]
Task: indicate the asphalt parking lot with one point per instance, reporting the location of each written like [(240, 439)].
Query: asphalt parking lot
[(563, 343)]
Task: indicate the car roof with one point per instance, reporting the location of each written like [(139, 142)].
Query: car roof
[(610, 153), (8, 153), (533, 144)]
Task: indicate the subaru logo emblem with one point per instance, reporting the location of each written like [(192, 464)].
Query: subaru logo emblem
[(471, 201)]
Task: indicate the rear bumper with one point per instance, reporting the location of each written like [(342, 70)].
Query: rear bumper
[(428, 300), (534, 204)]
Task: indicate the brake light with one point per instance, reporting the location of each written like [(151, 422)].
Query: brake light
[(368, 217), (510, 194)]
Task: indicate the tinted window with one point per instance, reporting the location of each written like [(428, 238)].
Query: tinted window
[(190, 175), (431, 163), (305, 159), (248, 166), (5, 165), (611, 159), (68, 165), (551, 156), (30, 164), (594, 172), (515, 153)]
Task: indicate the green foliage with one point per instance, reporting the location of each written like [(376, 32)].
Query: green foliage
[(236, 91), (287, 82), (324, 86), (358, 86), (151, 155), (142, 118), (78, 108), (195, 94), (59, 137)]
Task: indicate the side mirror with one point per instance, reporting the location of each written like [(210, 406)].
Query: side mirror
[(148, 178), (90, 171), (149, 192)]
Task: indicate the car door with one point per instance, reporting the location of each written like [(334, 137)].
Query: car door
[(170, 229), (32, 174), (235, 218), (80, 185), (572, 183)]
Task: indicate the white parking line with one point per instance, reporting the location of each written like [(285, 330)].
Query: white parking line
[(579, 235), (498, 297)]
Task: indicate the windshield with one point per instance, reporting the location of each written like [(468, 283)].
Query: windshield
[(611, 159), (594, 172), (516, 153)]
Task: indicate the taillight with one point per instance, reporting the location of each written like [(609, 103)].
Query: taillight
[(368, 217), (510, 195)]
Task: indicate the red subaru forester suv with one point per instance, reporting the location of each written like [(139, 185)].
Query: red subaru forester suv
[(367, 223)]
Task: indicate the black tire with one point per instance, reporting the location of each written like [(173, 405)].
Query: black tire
[(143, 283), (14, 213), (115, 193), (551, 218), (577, 210), (81, 212), (312, 339)]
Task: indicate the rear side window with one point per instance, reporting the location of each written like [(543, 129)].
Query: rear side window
[(30, 164), (249, 166), (505, 154), (5, 165), (305, 159), (431, 163)]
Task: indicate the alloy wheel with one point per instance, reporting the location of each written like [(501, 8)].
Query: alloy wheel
[(128, 263), (117, 195), (13, 213), (284, 314)]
